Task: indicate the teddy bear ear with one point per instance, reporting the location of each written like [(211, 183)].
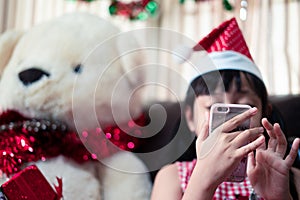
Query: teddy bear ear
[(8, 41)]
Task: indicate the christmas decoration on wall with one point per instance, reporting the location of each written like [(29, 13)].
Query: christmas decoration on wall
[(226, 4), (243, 10), (135, 10)]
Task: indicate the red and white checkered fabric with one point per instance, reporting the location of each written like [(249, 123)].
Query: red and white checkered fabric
[(227, 36), (225, 191)]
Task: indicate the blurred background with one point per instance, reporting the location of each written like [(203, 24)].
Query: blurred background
[(271, 28)]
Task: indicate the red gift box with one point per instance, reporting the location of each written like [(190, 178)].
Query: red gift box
[(29, 184)]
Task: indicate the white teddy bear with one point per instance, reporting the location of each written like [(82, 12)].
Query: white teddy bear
[(73, 70)]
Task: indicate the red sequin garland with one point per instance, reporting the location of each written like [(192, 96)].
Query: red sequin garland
[(24, 140)]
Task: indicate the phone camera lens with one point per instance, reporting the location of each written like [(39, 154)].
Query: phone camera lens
[(222, 109)]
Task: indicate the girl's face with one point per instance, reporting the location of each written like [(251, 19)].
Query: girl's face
[(200, 113)]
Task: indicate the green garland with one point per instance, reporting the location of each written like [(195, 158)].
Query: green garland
[(136, 10)]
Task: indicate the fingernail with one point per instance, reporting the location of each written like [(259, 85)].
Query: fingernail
[(261, 129), (253, 110), (261, 139)]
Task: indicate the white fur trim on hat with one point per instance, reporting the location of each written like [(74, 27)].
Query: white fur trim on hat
[(230, 60)]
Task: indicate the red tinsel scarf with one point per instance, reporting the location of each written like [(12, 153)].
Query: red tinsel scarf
[(24, 140)]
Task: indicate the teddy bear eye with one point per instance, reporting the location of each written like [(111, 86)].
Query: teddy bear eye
[(77, 69), (32, 75)]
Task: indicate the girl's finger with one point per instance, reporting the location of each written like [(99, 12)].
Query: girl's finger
[(293, 153), (239, 119), (268, 126), (281, 140), (251, 162), (202, 137), (245, 150), (247, 136), (270, 130)]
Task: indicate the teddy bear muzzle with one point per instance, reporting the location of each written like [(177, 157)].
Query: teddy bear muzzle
[(31, 75)]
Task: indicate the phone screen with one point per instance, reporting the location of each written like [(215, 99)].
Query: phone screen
[(220, 113)]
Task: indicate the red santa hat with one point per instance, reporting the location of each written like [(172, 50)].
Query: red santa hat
[(226, 48)]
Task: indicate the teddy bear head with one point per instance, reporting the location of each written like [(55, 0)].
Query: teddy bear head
[(71, 68)]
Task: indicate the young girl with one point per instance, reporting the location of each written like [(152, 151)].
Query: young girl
[(236, 80)]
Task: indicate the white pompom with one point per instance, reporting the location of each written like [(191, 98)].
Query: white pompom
[(182, 53)]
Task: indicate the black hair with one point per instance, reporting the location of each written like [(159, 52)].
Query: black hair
[(207, 83)]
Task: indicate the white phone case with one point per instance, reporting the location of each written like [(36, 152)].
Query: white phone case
[(220, 113)]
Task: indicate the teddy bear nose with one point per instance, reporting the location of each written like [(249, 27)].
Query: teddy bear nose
[(32, 75)]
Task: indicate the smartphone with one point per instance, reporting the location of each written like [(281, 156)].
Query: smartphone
[(220, 113)]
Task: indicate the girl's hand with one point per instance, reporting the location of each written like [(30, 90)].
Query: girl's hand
[(222, 150), (268, 171)]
